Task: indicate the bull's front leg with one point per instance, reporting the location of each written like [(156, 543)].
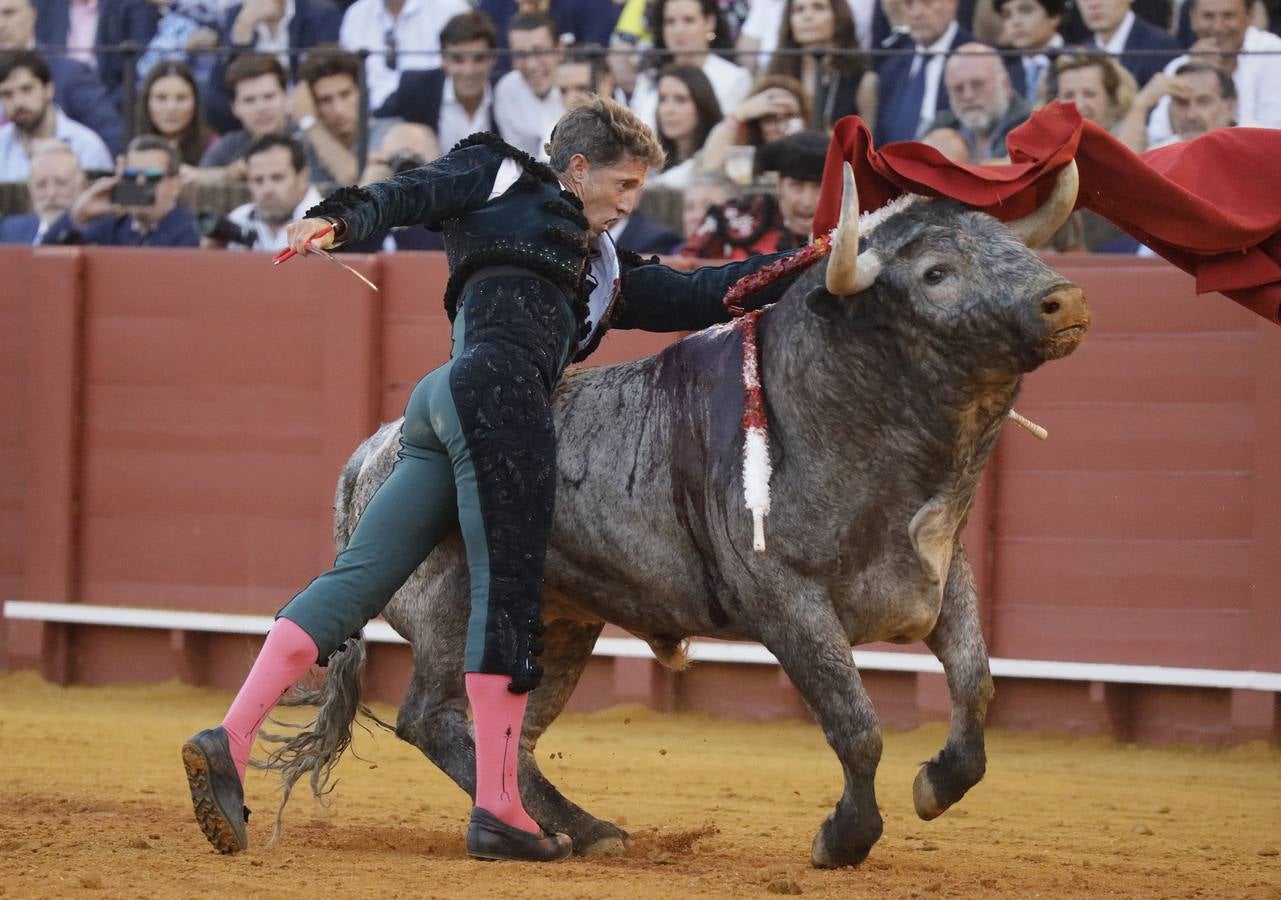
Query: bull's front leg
[(957, 641), (815, 654)]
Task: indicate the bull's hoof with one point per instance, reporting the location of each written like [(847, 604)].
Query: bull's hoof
[(924, 798), (606, 846), (943, 781), (829, 851)]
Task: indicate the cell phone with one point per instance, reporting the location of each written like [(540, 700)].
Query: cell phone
[(132, 193)]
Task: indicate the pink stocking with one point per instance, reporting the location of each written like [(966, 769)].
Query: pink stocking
[(498, 714), (287, 654)]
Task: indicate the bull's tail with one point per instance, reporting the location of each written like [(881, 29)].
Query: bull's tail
[(312, 749)]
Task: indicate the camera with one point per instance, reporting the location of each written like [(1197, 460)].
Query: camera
[(404, 160), (133, 193), (221, 228)]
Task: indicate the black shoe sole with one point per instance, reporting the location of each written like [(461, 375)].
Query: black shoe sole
[(212, 822)]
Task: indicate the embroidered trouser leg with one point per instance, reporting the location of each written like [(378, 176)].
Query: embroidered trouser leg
[(477, 450)]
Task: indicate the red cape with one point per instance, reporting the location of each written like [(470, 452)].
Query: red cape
[(1211, 206)]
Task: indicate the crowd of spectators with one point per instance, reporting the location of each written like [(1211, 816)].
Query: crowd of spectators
[(120, 115)]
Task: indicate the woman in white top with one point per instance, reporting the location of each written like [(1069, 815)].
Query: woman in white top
[(686, 33), (687, 113)]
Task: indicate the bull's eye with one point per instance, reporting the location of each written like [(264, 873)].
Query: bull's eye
[(935, 275)]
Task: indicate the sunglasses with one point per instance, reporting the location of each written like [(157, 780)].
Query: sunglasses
[(151, 175)]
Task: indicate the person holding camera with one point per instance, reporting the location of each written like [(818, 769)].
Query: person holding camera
[(281, 188), (136, 207)]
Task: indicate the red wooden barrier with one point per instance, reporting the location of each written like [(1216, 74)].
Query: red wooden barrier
[(171, 425)]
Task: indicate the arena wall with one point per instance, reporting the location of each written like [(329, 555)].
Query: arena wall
[(171, 425)]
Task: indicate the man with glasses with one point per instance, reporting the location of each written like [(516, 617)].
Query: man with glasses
[(527, 103), (136, 207), (456, 100), (401, 35)]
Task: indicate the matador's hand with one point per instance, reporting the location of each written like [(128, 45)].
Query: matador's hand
[(306, 234)]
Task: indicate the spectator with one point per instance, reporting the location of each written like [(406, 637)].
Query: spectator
[(26, 95), (281, 192), (1033, 27), (1117, 30), (56, 180), (763, 223), (256, 83), (910, 91), (984, 107), (527, 103), (406, 145), (582, 74), (641, 233), (76, 87), (832, 80), (84, 26), (1251, 55), (402, 35), (777, 107), (169, 105), (1197, 98), (579, 21), (152, 165), (326, 106), (184, 27), (704, 192), (686, 34), (455, 100), (687, 113)]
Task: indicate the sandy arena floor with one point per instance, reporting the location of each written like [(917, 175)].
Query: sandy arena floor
[(93, 803)]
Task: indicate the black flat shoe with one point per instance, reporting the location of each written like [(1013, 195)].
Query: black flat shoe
[(490, 838), (216, 792)]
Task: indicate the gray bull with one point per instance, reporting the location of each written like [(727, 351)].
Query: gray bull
[(889, 375)]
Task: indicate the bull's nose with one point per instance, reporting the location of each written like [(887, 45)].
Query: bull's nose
[(1065, 318)]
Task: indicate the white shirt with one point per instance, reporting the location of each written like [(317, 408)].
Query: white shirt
[(525, 119), (730, 83), (454, 123), (271, 240), (1258, 84), (278, 43), (417, 31), (83, 141), (1117, 44), (933, 57), (604, 267)]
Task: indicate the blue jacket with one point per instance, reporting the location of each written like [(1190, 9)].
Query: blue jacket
[(314, 22), (20, 229), (81, 95), (1148, 37), (419, 98), (589, 21), (119, 22), (178, 229), (892, 89)]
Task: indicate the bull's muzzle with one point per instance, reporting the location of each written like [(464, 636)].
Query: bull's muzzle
[(1064, 317)]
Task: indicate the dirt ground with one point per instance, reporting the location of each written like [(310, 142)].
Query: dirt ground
[(93, 803)]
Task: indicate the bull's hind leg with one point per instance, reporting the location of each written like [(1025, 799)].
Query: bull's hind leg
[(957, 640), (815, 653), (567, 646)]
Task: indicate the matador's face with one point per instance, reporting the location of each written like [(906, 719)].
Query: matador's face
[(609, 193)]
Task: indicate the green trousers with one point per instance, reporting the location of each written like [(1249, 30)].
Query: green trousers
[(477, 450)]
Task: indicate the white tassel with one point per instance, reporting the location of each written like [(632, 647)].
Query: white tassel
[(756, 477)]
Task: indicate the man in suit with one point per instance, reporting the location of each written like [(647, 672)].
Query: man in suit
[(117, 22), (455, 100), (910, 92), (1031, 26), (1119, 31), (56, 179), (164, 222), (984, 106), (77, 89)]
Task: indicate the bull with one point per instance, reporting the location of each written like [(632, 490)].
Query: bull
[(890, 368)]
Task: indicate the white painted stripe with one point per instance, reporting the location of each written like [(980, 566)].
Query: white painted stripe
[(702, 651)]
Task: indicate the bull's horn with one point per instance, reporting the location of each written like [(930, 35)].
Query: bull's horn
[(1039, 225), (847, 272)]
